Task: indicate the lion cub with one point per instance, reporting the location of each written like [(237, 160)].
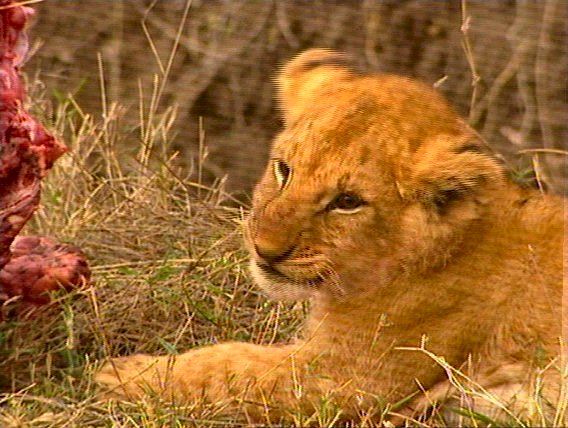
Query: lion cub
[(387, 211)]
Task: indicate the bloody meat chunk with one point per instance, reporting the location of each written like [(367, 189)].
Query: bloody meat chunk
[(29, 266)]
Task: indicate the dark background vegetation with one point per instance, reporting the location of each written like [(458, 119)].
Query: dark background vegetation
[(511, 84)]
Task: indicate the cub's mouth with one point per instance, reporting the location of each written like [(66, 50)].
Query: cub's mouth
[(283, 282), (272, 273)]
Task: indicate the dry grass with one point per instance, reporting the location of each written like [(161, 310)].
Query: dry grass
[(168, 275)]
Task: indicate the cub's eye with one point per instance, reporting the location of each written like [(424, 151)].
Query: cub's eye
[(281, 172), (346, 203)]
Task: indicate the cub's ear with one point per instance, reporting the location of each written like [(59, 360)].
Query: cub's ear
[(450, 167), (303, 77)]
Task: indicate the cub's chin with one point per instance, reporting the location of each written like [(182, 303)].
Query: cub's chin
[(278, 286)]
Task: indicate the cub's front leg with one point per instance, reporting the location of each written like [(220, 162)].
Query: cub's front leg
[(261, 378)]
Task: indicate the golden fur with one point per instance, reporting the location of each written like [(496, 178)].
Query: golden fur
[(386, 210)]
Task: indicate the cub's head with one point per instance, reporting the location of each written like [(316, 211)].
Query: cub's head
[(373, 176)]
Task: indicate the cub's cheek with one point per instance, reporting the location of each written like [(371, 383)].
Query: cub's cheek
[(255, 271)]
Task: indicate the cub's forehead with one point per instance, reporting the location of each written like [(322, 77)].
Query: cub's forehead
[(340, 133), (311, 147)]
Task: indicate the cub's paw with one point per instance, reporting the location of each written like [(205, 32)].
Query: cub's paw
[(132, 377)]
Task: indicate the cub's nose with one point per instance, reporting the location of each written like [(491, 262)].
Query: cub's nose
[(273, 254)]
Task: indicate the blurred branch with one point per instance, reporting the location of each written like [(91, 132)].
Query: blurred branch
[(195, 78), (489, 104), (542, 74), (284, 25), (545, 150), (466, 44), (372, 30)]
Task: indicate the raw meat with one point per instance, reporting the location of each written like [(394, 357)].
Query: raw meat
[(29, 266)]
